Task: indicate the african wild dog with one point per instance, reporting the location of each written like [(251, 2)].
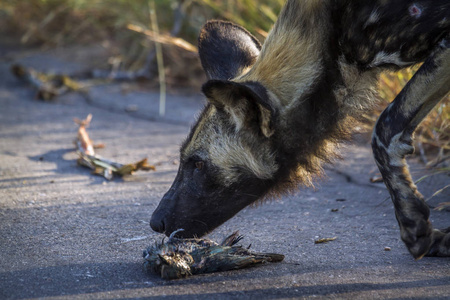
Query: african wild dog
[(276, 112)]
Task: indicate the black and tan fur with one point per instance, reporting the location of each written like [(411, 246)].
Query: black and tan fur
[(276, 112)]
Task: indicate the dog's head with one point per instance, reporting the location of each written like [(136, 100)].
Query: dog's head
[(227, 162)]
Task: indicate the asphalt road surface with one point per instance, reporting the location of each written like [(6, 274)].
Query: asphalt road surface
[(67, 234)]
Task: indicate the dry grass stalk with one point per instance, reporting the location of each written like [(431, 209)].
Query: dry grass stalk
[(159, 61), (442, 206), (164, 38)]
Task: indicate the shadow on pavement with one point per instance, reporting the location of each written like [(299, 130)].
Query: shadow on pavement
[(130, 279)]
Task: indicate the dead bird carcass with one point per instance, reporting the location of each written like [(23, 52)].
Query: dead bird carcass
[(178, 258)]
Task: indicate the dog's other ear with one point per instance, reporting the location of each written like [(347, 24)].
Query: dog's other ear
[(226, 49), (244, 102)]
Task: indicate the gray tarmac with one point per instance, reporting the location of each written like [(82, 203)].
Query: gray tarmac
[(67, 234)]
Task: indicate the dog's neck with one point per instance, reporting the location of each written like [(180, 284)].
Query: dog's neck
[(289, 62)]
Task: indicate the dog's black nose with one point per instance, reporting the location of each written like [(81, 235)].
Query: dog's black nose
[(157, 224)]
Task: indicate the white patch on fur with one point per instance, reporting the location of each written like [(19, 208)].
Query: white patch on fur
[(388, 58), (373, 18), (397, 150)]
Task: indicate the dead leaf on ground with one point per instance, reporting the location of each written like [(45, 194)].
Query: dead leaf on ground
[(324, 240), (376, 178)]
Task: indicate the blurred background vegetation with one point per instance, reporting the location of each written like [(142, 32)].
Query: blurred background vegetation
[(64, 23)]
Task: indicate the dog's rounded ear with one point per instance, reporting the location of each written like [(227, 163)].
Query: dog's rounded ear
[(226, 49), (243, 101)]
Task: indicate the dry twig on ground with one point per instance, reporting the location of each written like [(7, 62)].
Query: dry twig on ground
[(100, 165), (48, 86)]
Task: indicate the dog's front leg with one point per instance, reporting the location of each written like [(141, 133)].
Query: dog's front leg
[(392, 141)]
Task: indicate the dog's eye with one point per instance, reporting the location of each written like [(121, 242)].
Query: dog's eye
[(199, 165)]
